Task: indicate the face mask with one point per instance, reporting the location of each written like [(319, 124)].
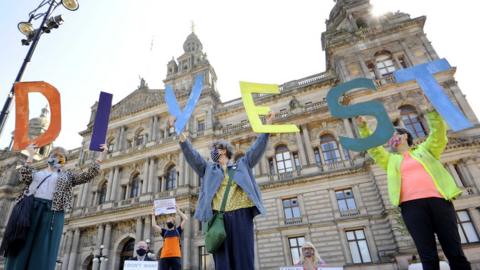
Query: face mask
[(214, 154), (170, 225), (141, 252), (307, 252), (395, 141)]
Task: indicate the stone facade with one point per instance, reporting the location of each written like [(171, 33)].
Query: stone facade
[(313, 189)]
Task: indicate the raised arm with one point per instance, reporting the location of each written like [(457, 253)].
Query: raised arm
[(92, 171), (197, 162), (255, 153), (183, 216), (379, 154), (26, 171), (154, 222), (437, 139)]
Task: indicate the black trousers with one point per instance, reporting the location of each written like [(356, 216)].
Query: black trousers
[(170, 264), (425, 218), (237, 252)]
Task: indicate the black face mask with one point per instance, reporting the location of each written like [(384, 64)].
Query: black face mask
[(170, 225), (141, 252)]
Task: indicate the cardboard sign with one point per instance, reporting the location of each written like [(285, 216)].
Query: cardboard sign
[(140, 265), (165, 207), (384, 130), (22, 89), (423, 74), (253, 112), (100, 126), (183, 116)]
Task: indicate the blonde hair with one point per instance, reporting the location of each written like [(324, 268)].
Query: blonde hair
[(316, 258)]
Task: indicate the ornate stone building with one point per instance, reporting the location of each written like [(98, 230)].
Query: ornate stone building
[(313, 189)]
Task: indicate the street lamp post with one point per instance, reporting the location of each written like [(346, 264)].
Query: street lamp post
[(33, 36), (99, 260)]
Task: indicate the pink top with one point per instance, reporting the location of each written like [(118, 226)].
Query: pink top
[(416, 182)]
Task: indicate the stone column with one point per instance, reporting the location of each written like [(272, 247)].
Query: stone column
[(85, 191), (155, 128), (152, 129), (73, 254), (264, 165), (308, 144), (187, 241), (114, 188), (348, 128), (181, 167), (100, 233), (455, 175), (429, 48), (301, 149), (66, 252), (147, 229), (145, 176), (408, 53), (138, 230), (95, 264), (106, 246), (363, 66), (151, 175), (463, 103), (109, 184)]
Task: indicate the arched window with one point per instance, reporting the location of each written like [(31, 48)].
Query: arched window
[(284, 159), (171, 178), (384, 63), (102, 193), (127, 251), (139, 137), (330, 149), (412, 121), (135, 186)]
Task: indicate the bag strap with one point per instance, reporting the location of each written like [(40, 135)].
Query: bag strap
[(231, 173), (46, 177)]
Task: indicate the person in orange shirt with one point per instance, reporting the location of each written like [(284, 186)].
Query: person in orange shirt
[(171, 254)]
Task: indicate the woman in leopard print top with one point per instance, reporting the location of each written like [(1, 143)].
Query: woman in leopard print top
[(51, 199)]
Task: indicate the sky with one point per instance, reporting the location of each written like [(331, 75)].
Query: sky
[(107, 45)]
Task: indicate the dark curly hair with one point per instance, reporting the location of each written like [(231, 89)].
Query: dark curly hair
[(402, 131), (222, 144)]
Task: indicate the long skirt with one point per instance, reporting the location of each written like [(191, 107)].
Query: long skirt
[(43, 239)]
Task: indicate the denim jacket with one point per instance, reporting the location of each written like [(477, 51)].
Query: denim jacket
[(212, 175)]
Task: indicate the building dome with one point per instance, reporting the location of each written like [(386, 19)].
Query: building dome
[(192, 44), (39, 125)]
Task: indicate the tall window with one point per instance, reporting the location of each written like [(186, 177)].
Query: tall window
[(358, 246), (171, 178), (412, 122), (102, 193), (139, 137), (345, 200), (200, 125), (331, 152), (283, 158), (296, 244), (316, 153), (467, 231), (271, 166), (384, 63), (205, 259), (291, 210), (135, 187)]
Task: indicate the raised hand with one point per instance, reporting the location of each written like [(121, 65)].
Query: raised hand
[(269, 118)]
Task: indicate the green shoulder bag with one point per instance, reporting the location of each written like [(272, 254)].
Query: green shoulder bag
[(215, 234)]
